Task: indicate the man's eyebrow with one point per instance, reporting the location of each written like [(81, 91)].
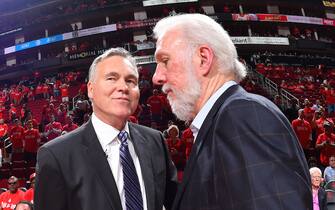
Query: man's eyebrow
[(111, 74)]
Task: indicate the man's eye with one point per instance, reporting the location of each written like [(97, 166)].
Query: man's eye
[(134, 82)]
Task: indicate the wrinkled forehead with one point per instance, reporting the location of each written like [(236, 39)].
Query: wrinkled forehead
[(120, 64), (172, 41)]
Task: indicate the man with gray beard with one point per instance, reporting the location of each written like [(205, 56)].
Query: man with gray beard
[(245, 154)]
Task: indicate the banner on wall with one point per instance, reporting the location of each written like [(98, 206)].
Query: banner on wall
[(329, 3), (272, 17), (145, 45), (244, 17), (137, 23), (303, 19), (161, 2), (86, 54), (10, 32), (260, 40)]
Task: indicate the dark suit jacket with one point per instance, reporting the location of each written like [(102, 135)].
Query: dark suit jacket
[(245, 157), (322, 195), (73, 172)]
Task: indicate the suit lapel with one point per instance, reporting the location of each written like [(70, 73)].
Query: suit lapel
[(144, 157), (98, 162), (203, 133)]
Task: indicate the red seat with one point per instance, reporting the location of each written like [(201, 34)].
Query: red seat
[(31, 164), (3, 183), (18, 156), (4, 173), (19, 164), (30, 171), (19, 172), (6, 165)]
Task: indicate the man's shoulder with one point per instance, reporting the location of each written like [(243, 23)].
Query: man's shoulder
[(144, 129), (239, 95)]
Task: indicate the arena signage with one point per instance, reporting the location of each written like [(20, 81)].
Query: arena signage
[(160, 2), (272, 17), (137, 23), (85, 54), (244, 17), (303, 19), (38, 42), (10, 32), (260, 40), (329, 3), (145, 45), (60, 37)]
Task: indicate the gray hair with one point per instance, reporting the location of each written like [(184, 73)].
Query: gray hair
[(109, 53), (173, 127), (300, 111), (314, 170), (200, 29)]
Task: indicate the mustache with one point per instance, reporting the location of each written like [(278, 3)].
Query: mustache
[(166, 88)]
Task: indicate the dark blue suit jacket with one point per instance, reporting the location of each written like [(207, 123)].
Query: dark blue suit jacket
[(73, 172), (246, 157)]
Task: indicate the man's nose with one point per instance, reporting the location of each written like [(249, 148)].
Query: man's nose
[(159, 77)]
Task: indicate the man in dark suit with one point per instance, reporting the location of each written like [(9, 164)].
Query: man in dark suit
[(107, 163), (245, 155)]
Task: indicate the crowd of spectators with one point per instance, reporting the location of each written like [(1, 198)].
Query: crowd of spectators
[(40, 109), (312, 121), (52, 11)]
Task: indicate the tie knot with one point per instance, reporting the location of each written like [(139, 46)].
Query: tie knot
[(123, 136)]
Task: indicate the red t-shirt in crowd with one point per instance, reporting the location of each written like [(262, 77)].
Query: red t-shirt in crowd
[(30, 139), (8, 200), (17, 95), (330, 96), (2, 111), (177, 150), (50, 126), (83, 88), (309, 114), (45, 88), (188, 138), (16, 135), (3, 129), (303, 131), (326, 151), (156, 104), (69, 128), (29, 195), (38, 89), (64, 91)]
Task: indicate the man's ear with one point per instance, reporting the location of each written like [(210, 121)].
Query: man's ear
[(89, 89), (206, 56)]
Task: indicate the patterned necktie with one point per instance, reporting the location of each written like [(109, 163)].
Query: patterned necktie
[(131, 183)]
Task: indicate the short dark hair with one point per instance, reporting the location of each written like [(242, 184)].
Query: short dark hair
[(31, 206)]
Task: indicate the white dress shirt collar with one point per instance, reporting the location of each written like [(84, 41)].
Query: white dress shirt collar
[(106, 133), (202, 114)]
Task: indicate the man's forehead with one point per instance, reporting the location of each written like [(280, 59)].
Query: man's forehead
[(167, 44)]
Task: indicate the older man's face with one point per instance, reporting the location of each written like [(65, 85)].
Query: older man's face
[(176, 72), (316, 179), (114, 90), (22, 206)]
